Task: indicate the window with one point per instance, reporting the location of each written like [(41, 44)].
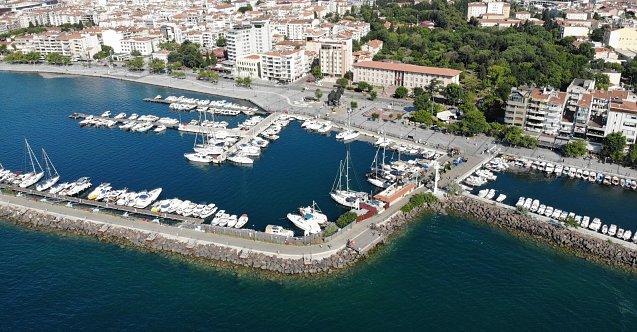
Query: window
[(630, 124)]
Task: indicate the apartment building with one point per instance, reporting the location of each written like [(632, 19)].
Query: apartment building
[(248, 66), (491, 9), (75, 45), (624, 38), (622, 117), (335, 56), (243, 40), (536, 110), (400, 74), (144, 45), (283, 66)]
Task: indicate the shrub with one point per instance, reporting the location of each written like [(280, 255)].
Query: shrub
[(330, 229), (345, 219)]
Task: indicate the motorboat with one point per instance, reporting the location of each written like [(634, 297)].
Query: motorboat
[(595, 225), (483, 193), (605, 229), (199, 157), (240, 159), (541, 209), (242, 221), (99, 191), (627, 235), (305, 223), (144, 199), (612, 230), (160, 129), (491, 194), (585, 221), (315, 212), (347, 135)]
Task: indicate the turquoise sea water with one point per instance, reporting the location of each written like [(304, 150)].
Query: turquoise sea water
[(443, 273)]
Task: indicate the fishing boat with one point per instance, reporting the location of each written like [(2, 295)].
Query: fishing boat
[(305, 223), (52, 176), (242, 221), (31, 178), (278, 230), (342, 193)]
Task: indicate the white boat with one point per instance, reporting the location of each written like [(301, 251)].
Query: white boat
[(612, 230), (605, 229), (144, 199), (520, 201), (313, 211), (341, 193), (120, 116), (541, 209), (242, 221), (586, 221), (240, 159), (52, 176), (501, 198), (527, 203), (99, 190), (483, 193), (620, 233), (199, 157), (33, 177), (106, 114), (549, 211), (232, 220), (348, 134), (160, 129), (595, 225), (490, 194), (278, 230), (309, 226), (627, 235), (535, 205)]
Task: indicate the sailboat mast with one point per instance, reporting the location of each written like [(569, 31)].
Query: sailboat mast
[(30, 154), (46, 164), (347, 171)]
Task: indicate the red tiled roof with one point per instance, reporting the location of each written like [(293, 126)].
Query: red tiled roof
[(408, 68)]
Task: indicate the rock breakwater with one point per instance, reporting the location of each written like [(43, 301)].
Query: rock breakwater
[(587, 246)]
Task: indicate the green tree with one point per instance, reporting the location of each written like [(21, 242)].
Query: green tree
[(631, 157), (364, 86), (472, 123), (15, 57), (318, 94), (316, 72), (244, 9), (372, 95), (32, 57), (575, 149), (172, 66), (168, 46), (613, 146), (136, 64), (342, 82), (453, 93), (401, 92), (4, 50), (221, 41), (353, 104), (157, 66), (602, 81), (422, 117), (135, 53)]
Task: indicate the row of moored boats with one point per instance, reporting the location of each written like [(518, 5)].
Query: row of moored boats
[(535, 206)]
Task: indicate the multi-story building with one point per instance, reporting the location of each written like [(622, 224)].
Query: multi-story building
[(488, 10), (622, 117), (76, 45), (624, 38), (283, 66), (400, 74), (536, 110), (144, 45), (335, 56), (248, 66), (248, 39)]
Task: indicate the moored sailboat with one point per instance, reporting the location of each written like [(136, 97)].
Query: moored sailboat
[(52, 176)]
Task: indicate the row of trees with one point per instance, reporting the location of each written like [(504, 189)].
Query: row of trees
[(19, 57)]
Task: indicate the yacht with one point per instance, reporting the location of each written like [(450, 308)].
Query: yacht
[(199, 157), (106, 114), (120, 116), (483, 193), (520, 202), (232, 221), (535, 205), (100, 191), (348, 134), (612, 230), (605, 229), (549, 211), (541, 209), (627, 235), (144, 199), (586, 221), (278, 230), (160, 129), (490, 194), (242, 221), (309, 226), (314, 211), (52, 176), (620, 233)]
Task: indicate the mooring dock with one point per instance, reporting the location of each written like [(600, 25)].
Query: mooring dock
[(101, 205), (253, 132)]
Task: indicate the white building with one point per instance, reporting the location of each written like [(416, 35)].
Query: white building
[(335, 56), (76, 45), (400, 74), (145, 45), (283, 66), (113, 39), (243, 40), (248, 66), (622, 117), (490, 9)]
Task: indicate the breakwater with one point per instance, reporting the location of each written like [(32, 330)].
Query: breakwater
[(553, 233)]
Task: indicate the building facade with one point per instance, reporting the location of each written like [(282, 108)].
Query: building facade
[(283, 66), (399, 74)]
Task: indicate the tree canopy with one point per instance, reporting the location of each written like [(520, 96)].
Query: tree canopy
[(613, 146), (574, 149)]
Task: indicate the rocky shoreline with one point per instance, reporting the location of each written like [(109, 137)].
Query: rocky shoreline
[(585, 246), (581, 244)]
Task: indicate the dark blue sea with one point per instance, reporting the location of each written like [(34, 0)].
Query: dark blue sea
[(442, 273)]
